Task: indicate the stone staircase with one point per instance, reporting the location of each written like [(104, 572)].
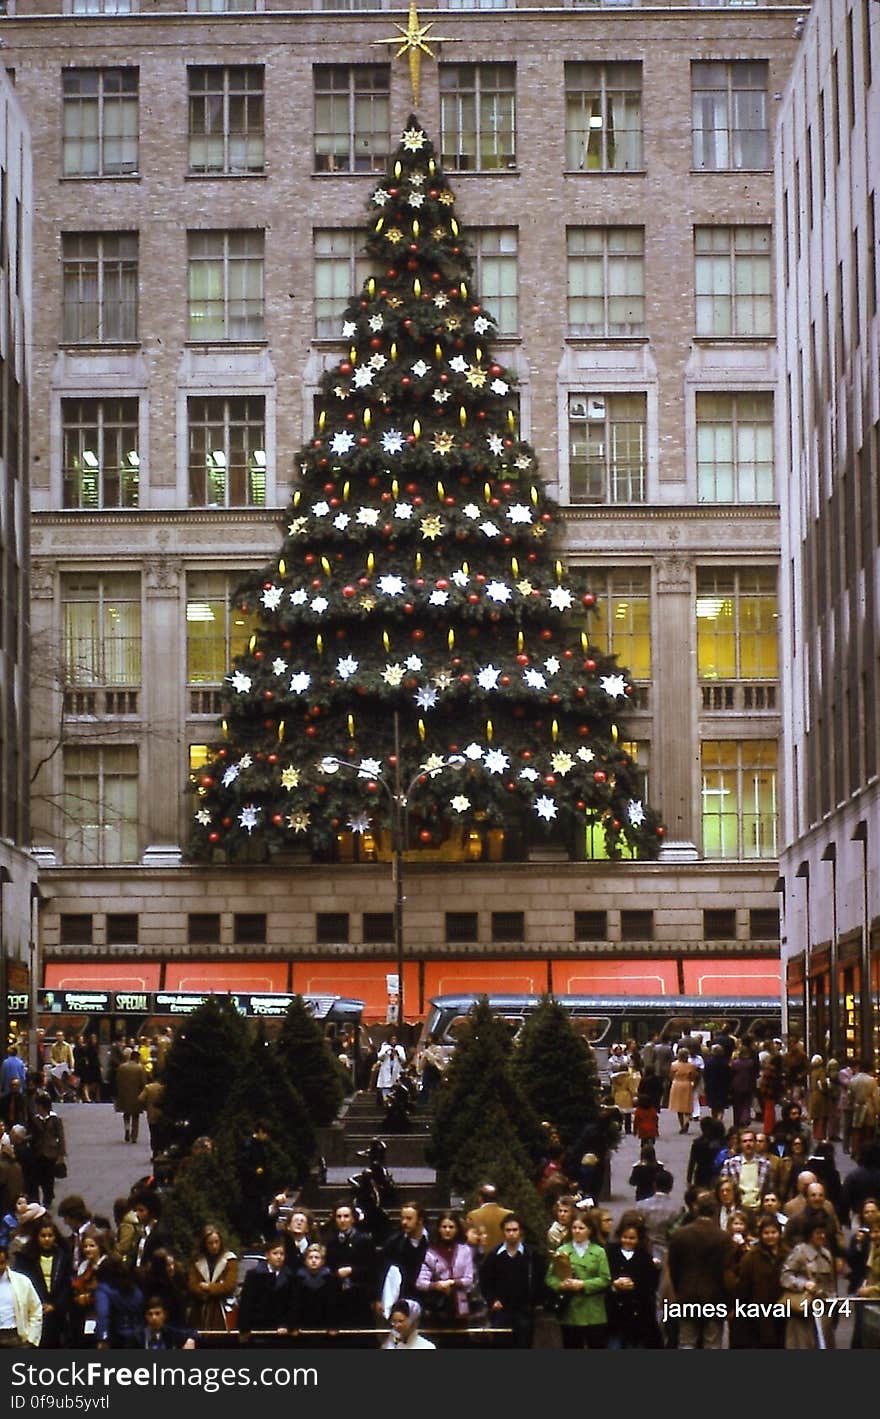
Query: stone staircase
[(361, 1120)]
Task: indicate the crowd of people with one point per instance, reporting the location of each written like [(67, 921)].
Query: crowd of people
[(762, 1245)]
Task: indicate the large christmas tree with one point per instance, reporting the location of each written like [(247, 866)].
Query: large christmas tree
[(418, 589)]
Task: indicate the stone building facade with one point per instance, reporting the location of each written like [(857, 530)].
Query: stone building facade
[(827, 181), (203, 178)]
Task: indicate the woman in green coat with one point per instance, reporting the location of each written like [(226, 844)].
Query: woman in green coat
[(579, 1273)]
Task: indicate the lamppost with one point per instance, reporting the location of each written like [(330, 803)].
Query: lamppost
[(398, 798), (5, 877)]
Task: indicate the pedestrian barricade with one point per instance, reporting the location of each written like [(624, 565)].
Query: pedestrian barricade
[(364, 1338)]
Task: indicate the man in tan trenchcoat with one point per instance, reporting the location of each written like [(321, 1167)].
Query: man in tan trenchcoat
[(131, 1078)]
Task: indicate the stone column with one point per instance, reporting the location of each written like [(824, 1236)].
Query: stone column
[(162, 687), (674, 784)]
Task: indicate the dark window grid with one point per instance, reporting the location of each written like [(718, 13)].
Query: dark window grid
[(607, 435), (352, 132), (764, 924), (508, 926), (227, 451), (101, 460), (591, 926), (100, 122), (462, 927), (331, 927), (122, 929), (478, 117), (225, 282), (249, 928), (730, 126), (603, 123), (226, 117), (76, 929), (203, 928), (719, 924), (378, 928), (100, 276), (636, 926)]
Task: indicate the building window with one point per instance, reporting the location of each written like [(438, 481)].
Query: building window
[(508, 926), (220, 7), (203, 928), (351, 117), (226, 118), (462, 927), (603, 117), (477, 116), (227, 451), (495, 274), (100, 809), (621, 624), (730, 115), (639, 751), (122, 928), (764, 924), (249, 928), (76, 929), (100, 276), (216, 631), (719, 924), (101, 7), (331, 927), (732, 281), (739, 798), (101, 460), (102, 628), (100, 123), (637, 926), (735, 448), (607, 448), (340, 268), (378, 928), (346, 4), (606, 280), (737, 623), (591, 926), (226, 285)]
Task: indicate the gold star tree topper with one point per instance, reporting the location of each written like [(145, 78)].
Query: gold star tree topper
[(415, 45)]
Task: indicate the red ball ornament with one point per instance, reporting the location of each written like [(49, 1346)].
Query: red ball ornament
[(425, 835), (567, 654), (408, 608), (227, 822), (206, 782), (392, 275), (373, 480), (522, 659), (344, 367), (473, 598), (550, 780), (580, 804), (406, 381), (590, 665), (465, 679), (311, 730), (376, 342), (413, 246), (410, 438), (545, 517), (350, 416), (348, 592), (418, 634), (417, 502), (661, 831), (580, 692), (546, 634), (526, 754), (258, 655), (442, 583), (363, 581), (600, 776), (449, 500), (309, 559), (505, 679), (214, 837), (588, 599), (475, 310), (277, 819), (271, 758)]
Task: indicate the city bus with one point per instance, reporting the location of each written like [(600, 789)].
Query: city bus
[(604, 1020)]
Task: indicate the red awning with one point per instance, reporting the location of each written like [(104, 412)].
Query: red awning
[(361, 980), (76, 975), (626, 977), (494, 977), (733, 976), (257, 977)]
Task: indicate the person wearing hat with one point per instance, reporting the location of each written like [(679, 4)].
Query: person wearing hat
[(21, 1314), (404, 1322)]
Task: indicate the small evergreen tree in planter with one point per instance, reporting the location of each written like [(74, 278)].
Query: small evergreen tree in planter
[(262, 1091), (200, 1068), (478, 1084), (494, 1153), (203, 1191), (556, 1070), (310, 1063)]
